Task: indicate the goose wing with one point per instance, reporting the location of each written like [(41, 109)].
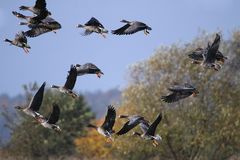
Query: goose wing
[(212, 50), (130, 28), (37, 31), (36, 101), (47, 25), (151, 130), (144, 125), (175, 96), (109, 118), (20, 37), (54, 115), (197, 54), (71, 78), (133, 122), (86, 33), (94, 22), (40, 4), (122, 30)]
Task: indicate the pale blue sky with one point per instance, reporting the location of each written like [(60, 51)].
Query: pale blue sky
[(52, 54)]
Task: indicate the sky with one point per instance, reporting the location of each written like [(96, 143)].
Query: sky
[(51, 55)]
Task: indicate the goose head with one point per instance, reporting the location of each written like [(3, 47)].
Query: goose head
[(19, 107)]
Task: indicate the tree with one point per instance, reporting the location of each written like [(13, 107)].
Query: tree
[(94, 145), (32, 141), (205, 127)]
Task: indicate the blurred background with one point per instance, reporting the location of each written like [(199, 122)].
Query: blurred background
[(137, 71)]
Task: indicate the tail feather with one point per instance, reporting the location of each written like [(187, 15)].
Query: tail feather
[(54, 86), (23, 23), (80, 26)]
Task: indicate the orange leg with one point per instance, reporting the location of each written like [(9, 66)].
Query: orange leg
[(104, 36), (26, 50)]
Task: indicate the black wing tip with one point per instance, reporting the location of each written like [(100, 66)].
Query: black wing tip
[(44, 83), (119, 133), (160, 115), (113, 31), (116, 32), (111, 107), (166, 99), (55, 105)]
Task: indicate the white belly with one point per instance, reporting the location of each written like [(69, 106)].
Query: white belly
[(46, 125)]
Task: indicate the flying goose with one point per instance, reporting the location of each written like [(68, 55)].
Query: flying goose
[(106, 129), (88, 68), (47, 25), (52, 120), (69, 84), (132, 122), (40, 5), (198, 54), (180, 92), (35, 103), (149, 130), (31, 21), (211, 55), (20, 41), (93, 25), (131, 28)]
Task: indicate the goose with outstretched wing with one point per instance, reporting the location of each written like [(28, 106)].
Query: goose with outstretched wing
[(132, 122), (180, 92), (20, 40), (149, 130), (88, 68), (106, 129), (52, 120), (40, 6), (69, 84), (93, 25), (35, 103), (131, 28)]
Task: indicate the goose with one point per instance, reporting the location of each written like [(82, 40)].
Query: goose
[(52, 120), (93, 25), (35, 103), (47, 25), (88, 68), (20, 41), (40, 5), (197, 56), (69, 84), (131, 28), (149, 130), (31, 21), (211, 54), (106, 129), (180, 92), (132, 122)]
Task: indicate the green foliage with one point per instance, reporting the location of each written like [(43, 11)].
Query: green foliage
[(200, 128), (31, 140)]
